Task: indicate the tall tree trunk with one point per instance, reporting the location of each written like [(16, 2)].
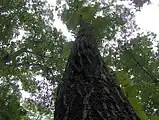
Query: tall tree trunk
[(87, 90)]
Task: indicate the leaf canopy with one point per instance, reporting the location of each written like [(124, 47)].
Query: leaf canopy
[(33, 54)]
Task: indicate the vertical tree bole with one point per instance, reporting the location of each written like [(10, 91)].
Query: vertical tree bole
[(88, 91)]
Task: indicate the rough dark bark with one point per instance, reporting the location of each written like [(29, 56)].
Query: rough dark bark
[(87, 90)]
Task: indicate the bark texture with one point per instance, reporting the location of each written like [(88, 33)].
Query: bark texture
[(88, 90)]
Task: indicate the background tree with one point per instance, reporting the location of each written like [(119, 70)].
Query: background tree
[(29, 47)]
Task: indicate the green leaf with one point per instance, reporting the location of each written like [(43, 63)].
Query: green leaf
[(154, 117), (135, 103), (142, 115), (132, 91)]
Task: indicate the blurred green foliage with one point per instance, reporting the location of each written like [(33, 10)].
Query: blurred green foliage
[(33, 54)]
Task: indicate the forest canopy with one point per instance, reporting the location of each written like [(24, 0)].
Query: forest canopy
[(33, 53)]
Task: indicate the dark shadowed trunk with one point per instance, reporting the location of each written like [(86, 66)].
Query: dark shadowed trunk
[(87, 90)]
